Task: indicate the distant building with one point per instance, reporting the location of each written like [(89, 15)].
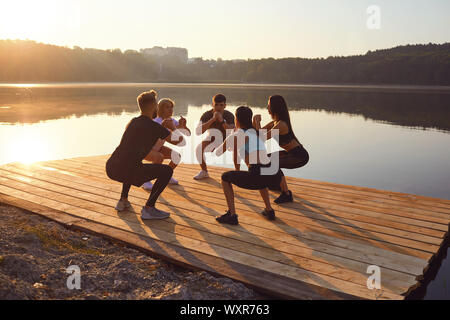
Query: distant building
[(195, 60), (181, 53)]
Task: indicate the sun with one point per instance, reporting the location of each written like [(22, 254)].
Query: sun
[(36, 20)]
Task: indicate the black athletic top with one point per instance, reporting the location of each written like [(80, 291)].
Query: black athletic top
[(284, 139), (137, 141), (228, 117)]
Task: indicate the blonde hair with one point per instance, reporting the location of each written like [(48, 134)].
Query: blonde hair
[(164, 103), (145, 98)]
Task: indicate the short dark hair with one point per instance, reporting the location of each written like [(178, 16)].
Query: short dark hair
[(145, 98), (244, 116), (218, 98)]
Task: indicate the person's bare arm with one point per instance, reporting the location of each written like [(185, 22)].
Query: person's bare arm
[(237, 164), (227, 145), (280, 126), (185, 130), (228, 126), (257, 123), (155, 157), (220, 150), (269, 126), (158, 145), (176, 138), (182, 126), (203, 126)]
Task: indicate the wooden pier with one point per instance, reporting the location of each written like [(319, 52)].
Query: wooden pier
[(320, 246)]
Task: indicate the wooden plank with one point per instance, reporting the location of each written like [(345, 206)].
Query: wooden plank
[(360, 198), (281, 287), (308, 197), (394, 209), (373, 193), (382, 194), (269, 266), (336, 208), (300, 222), (105, 205), (392, 239), (399, 229), (113, 190), (394, 281), (331, 247)]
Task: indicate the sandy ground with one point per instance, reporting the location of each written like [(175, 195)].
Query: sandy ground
[(35, 252)]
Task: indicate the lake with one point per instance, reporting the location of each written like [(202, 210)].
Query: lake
[(389, 138)]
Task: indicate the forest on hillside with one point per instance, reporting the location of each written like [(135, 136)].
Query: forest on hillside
[(29, 61)]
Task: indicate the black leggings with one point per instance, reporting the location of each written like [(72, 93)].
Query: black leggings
[(147, 172), (293, 159), (252, 179)]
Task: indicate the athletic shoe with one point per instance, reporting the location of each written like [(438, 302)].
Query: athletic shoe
[(270, 215), (153, 214), (228, 218), (284, 198), (148, 186), (202, 175), (122, 205), (173, 181)]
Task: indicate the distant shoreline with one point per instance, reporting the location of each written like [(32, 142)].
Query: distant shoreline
[(319, 87)]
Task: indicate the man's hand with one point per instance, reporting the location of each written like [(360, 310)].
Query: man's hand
[(257, 121), (218, 116), (168, 123), (257, 118)]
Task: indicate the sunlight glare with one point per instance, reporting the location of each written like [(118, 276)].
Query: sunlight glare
[(26, 85), (25, 19), (28, 147)]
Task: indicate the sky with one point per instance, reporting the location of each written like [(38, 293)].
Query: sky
[(231, 29)]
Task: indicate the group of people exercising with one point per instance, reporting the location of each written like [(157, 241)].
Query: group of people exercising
[(241, 134)]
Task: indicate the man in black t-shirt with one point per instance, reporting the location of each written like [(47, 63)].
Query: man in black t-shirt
[(137, 142), (125, 164), (215, 122)]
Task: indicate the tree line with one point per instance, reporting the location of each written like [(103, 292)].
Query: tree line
[(29, 61)]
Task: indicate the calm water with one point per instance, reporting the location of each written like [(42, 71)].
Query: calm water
[(391, 140)]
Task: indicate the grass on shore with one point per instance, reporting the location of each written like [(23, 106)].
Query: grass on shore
[(52, 238)]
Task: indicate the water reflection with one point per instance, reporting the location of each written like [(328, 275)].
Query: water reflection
[(27, 104), (60, 139)]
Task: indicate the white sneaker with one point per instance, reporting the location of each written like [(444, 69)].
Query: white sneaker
[(122, 205), (153, 214), (173, 181), (202, 175), (148, 186)]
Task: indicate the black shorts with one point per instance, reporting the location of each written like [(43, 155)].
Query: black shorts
[(135, 175), (253, 179), (293, 159)]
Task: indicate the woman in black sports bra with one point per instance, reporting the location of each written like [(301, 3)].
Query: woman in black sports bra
[(294, 154)]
